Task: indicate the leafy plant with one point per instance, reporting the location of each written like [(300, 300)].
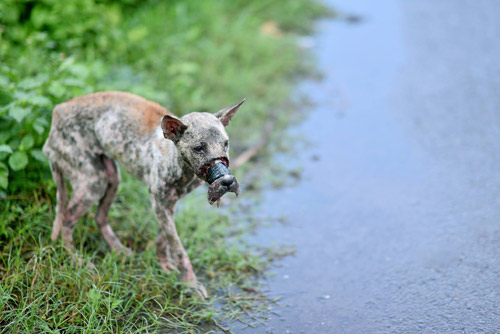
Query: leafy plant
[(25, 112)]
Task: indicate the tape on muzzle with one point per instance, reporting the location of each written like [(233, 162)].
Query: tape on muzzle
[(216, 171)]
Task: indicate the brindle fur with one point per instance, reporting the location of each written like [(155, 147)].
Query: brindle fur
[(89, 134)]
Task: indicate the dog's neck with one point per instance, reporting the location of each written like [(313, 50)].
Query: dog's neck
[(169, 166)]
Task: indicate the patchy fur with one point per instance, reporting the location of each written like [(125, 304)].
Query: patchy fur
[(90, 134)]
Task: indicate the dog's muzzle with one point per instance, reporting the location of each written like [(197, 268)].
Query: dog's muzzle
[(220, 182)]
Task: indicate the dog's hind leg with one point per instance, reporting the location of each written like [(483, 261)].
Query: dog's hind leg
[(113, 177), (89, 186), (61, 198)]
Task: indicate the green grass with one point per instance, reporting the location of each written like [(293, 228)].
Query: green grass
[(188, 56), (45, 289)]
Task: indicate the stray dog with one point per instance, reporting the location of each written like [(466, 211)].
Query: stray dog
[(171, 155)]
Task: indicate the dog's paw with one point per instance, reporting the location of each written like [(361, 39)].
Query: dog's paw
[(167, 266), (197, 289)]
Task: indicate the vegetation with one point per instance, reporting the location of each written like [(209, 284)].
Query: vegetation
[(186, 55)]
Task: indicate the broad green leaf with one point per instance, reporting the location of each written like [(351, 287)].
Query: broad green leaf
[(14, 143), (39, 100), (27, 142), (30, 83), (4, 135), (5, 148), (79, 70), (40, 124), (66, 63), (5, 98), (73, 82), (21, 96), (18, 161), (57, 89), (5, 151), (4, 176), (38, 155), (6, 108), (4, 81), (10, 73), (19, 113), (32, 98)]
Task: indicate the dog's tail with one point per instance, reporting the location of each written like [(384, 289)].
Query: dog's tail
[(62, 199)]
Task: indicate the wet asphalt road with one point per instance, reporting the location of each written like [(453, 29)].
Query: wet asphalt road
[(396, 221)]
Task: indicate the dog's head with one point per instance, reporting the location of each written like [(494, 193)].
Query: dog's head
[(204, 145)]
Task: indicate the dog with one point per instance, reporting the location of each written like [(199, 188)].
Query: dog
[(171, 155)]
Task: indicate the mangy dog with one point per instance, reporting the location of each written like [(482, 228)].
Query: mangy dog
[(171, 155)]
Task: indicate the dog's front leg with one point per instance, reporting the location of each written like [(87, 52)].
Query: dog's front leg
[(171, 253)]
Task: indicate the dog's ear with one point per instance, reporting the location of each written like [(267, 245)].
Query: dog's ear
[(172, 127), (225, 115)]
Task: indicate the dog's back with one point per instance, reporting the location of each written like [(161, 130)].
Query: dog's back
[(117, 125)]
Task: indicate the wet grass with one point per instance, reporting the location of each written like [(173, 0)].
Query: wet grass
[(45, 289)]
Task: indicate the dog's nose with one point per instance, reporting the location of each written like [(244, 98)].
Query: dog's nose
[(227, 180)]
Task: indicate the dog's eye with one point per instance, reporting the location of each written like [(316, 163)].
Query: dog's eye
[(198, 149), (226, 145)]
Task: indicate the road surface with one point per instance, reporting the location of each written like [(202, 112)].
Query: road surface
[(396, 221)]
